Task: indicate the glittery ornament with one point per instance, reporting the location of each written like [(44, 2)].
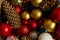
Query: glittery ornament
[(36, 14), (49, 25), (25, 15), (33, 35), (12, 16), (45, 36), (5, 29), (23, 30)]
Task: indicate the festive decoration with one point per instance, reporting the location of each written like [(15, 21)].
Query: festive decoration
[(49, 25), (25, 38), (12, 38), (16, 2), (36, 13), (40, 20), (23, 30), (25, 15), (32, 24), (18, 10), (55, 15), (24, 22), (12, 16), (5, 29), (33, 35), (36, 2), (48, 4), (45, 36)]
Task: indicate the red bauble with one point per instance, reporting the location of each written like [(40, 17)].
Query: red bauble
[(23, 30), (5, 29), (55, 15), (32, 24), (24, 22), (17, 9)]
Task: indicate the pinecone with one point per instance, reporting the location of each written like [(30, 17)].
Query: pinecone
[(48, 3), (13, 17)]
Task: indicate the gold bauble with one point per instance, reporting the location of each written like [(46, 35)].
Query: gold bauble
[(36, 3), (16, 2), (49, 25), (25, 15), (36, 13)]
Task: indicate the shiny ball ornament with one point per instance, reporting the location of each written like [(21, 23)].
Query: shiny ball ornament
[(55, 16), (45, 36), (5, 29), (16, 2), (23, 30), (24, 22), (36, 14), (32, 24), (33, 35), (17, 9), (12, 38), (25, 15), (49, 25), (36, 3)]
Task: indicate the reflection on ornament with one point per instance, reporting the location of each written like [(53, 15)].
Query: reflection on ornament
[(12, 38), (33, 35), (36, 13), (45, 36), (49, 25), (25, 15), (36, 3)]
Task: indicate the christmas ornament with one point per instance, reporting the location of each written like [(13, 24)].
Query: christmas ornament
[(25, 38), (23, 30), (12, 16), (32, 24), (36, 3), (55, 16), (36, 13), (5, 29), (25, 15), (24, 22), (17, 9), (16, 2), (45, 36), (49, 25), (12, 38), (33, 35)]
